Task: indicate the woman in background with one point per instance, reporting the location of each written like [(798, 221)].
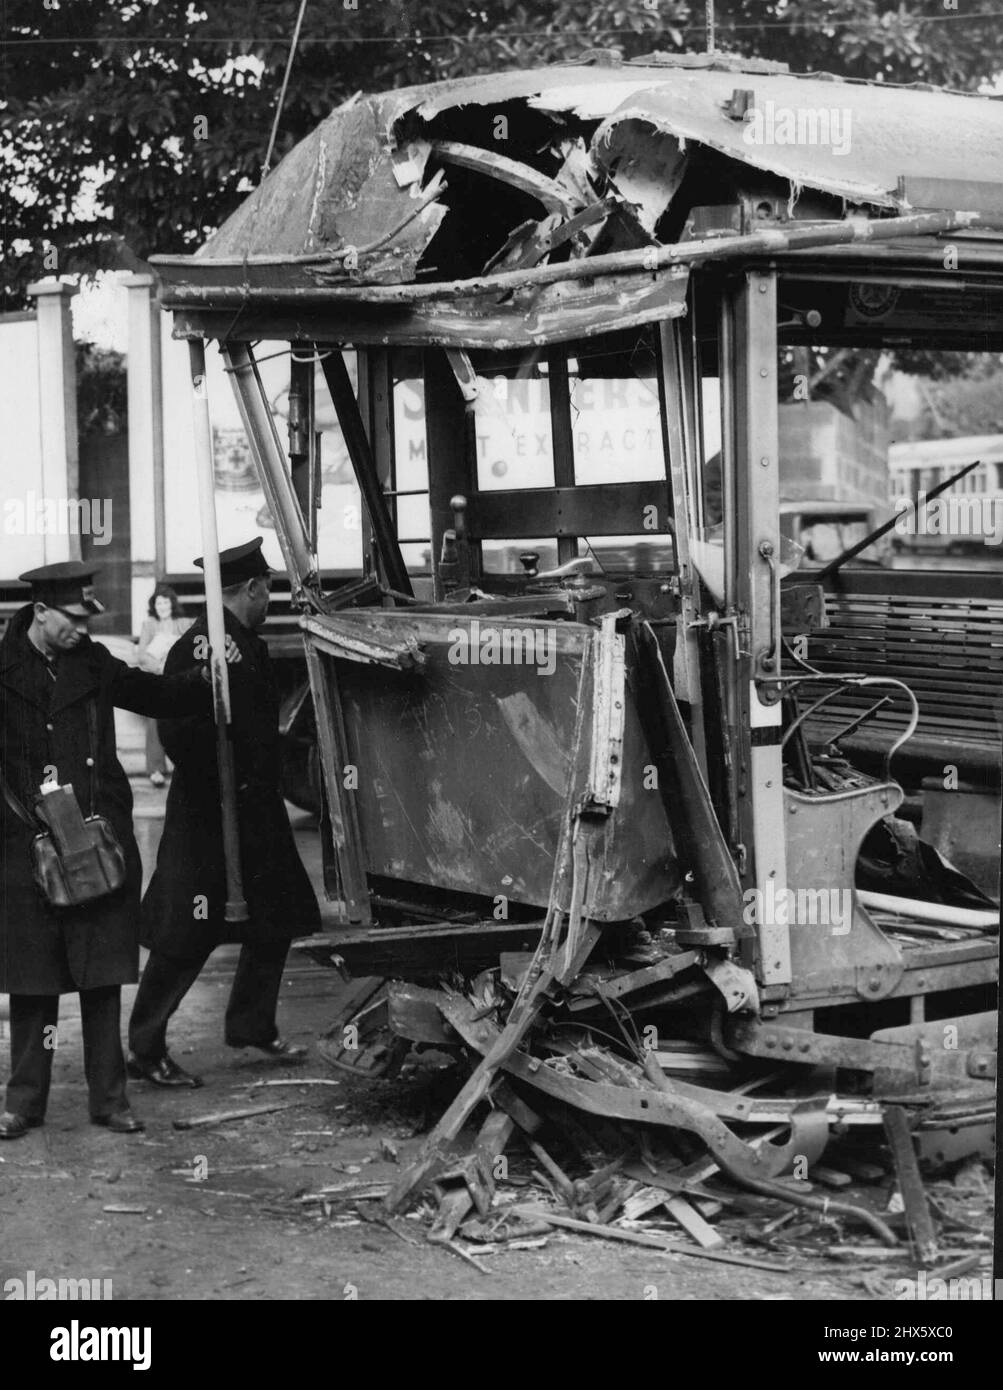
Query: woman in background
[(159, 633)]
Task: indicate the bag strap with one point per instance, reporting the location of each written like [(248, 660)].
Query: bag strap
[(92, 739), (17, 806)]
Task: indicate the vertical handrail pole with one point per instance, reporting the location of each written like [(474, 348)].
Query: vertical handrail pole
[(236, 906)]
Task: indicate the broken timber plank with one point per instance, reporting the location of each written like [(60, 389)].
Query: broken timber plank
[(476, 1170), (922, 1236), (639, 1203), (692, 1222), (831, 1177), (221, 1117), (455, 1205), (474, 1091), (667, 1247), (672, 1182)]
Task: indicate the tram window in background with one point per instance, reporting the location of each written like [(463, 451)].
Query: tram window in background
[(515, 447), (616, 422), (410, 481), (339, 521), (616, 431)]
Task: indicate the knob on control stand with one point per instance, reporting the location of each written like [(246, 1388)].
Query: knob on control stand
[(456, 548)]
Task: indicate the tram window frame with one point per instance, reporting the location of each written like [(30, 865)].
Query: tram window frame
[(556, 365)]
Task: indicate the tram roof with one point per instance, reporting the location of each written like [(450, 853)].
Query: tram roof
[(457, 179)]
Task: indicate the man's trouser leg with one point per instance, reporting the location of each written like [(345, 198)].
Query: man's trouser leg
[(254, 998), (164, 984), (104, 1064), (30, 1058), (156, 760)]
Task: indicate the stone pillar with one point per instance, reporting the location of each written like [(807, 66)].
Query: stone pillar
[(57, 376), (146, 442)]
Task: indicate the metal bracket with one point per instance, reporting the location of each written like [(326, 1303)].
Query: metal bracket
[(878, 979), (981, 1065), (737, 986)]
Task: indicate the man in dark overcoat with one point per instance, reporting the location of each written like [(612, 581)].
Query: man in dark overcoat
[(183, 909), (58, 690)]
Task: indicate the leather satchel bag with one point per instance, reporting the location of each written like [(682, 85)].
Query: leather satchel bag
[(75, 860)]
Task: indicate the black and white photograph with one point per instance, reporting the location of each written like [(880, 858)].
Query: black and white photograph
[(501, 666)]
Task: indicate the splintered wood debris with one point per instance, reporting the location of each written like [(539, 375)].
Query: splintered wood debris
[(532, 1175)]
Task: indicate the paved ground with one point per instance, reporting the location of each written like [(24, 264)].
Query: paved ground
[(215, 1213)]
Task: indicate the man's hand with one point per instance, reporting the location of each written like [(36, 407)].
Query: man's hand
[(232, 653)]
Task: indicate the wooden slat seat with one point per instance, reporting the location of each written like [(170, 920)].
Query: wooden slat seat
[(939, 632)]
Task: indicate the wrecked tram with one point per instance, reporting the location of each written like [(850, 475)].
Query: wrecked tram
[(591, 814)]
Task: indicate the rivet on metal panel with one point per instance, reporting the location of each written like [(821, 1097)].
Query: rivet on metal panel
[(763, 371), (764, 462)]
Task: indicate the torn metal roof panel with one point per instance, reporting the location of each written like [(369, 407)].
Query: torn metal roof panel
[(413, 186), (337, 188), (850, 139)]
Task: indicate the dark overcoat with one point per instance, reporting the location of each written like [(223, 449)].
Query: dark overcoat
[(183, 908), (44, 725)]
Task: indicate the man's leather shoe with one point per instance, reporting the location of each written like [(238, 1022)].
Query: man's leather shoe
[(122, 1122), (282, 1051), (166, 1072), (16, 1126)]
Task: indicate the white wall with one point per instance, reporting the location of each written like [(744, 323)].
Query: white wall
[(20, 444), (240, 504)]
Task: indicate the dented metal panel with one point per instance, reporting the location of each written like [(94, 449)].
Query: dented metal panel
[(464, 766)]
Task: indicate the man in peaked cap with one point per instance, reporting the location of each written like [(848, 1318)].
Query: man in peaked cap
[(58, 691), (183, 911), (67, 586)]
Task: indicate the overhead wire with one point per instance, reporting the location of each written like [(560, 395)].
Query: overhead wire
[(282, 94)]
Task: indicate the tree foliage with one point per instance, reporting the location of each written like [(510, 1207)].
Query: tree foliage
[(102, 390), (133, 126), (968, 403)]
